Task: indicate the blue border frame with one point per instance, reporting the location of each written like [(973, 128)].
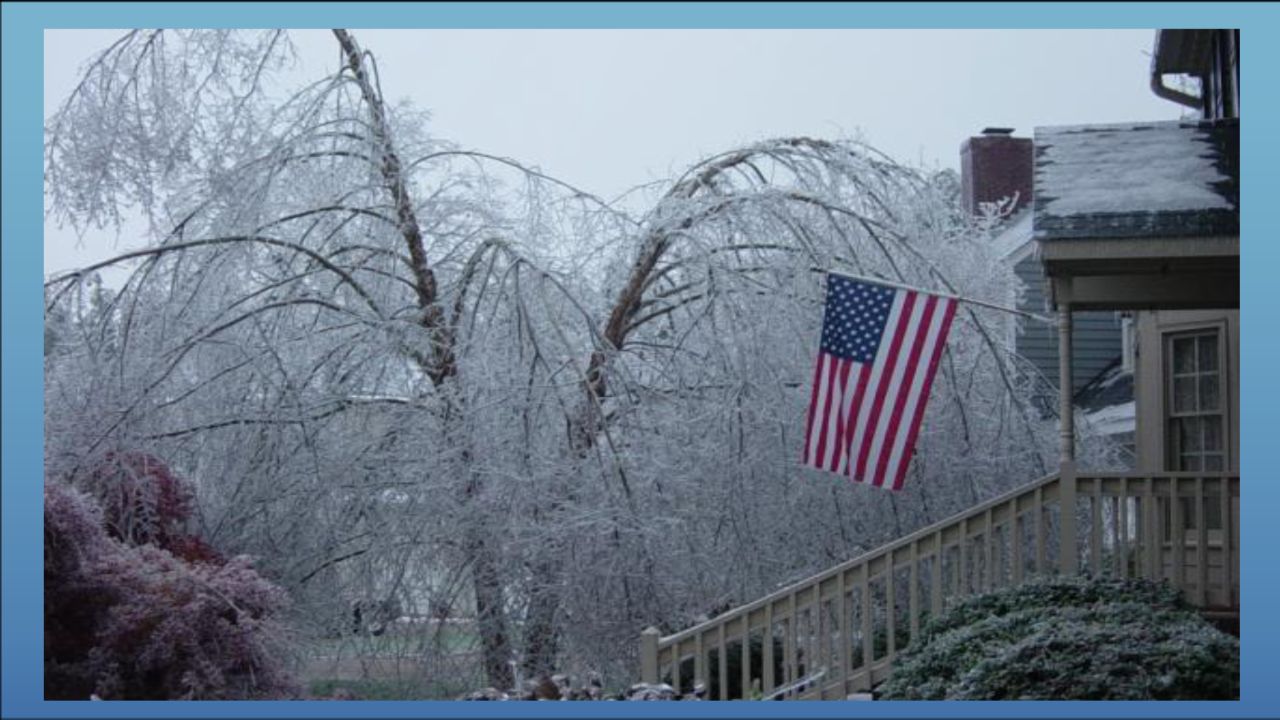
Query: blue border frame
[(20, 291)]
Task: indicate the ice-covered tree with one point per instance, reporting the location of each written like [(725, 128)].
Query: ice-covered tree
[(392, 365)]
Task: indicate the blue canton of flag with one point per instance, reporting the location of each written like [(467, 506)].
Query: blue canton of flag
[(853, 322), (878, 356)]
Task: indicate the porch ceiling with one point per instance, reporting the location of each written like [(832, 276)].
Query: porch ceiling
[(1216, 286)]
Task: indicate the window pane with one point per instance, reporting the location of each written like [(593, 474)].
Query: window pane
[(1212, 433), (1184, 394), (1195, 410), (1209, 399), (1189, 435), (1184, 357), (1208, 353)]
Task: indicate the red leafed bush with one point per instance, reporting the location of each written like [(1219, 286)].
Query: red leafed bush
[(145, 503), (176, 629), (139, 622)]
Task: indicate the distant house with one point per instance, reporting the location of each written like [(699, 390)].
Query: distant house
[(998, 167)]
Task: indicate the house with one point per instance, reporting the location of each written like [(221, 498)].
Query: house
[(1137, 217)]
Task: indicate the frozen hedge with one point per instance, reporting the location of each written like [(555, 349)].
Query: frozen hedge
[(1077, 639)]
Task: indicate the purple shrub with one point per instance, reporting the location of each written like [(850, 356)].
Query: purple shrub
[(176, 629), (145, 503), (73, 542), (144, 621)]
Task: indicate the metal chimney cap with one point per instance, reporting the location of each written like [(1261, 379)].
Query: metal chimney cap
[(997, 131)]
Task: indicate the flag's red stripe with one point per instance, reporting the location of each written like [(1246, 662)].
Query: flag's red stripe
[(837, 446), (895, 367), (859, 389), (823, 435), (909, 370), (918, 393), (913, 429), (813, 406), (891, 361), (865, 425)]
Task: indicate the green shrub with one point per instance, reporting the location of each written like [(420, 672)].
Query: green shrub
[(1070, 639)]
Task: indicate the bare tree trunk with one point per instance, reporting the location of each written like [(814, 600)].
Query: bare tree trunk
[(440, 365), (487, 588), (491, 620), (541, 632)]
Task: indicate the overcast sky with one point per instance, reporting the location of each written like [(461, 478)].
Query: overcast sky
[(610, 109)]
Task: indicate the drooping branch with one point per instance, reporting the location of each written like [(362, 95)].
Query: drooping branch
[(179, 246), (670, 221)]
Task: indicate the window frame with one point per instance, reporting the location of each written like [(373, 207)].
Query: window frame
[(1168, 388), (1168, 335)]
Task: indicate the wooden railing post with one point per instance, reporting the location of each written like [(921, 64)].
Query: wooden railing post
[(1068, 551), (649, 656)]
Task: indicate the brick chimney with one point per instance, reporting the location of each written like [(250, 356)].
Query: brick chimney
[(995, 165)]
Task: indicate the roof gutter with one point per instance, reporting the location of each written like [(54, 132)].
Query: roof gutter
[(1158, 87), (1164, 91)]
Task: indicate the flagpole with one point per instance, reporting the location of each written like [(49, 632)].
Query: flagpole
[(957, 298)]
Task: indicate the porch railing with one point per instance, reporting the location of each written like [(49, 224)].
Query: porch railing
[(838, 632)]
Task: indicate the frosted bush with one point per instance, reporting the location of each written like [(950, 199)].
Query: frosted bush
[(139, 623), (1076, 639)]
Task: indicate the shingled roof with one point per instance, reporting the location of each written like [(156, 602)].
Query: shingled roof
[(1135, 180)]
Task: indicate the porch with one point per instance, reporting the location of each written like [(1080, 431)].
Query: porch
[(839, 632)]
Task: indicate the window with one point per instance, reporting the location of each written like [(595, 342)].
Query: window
[(1196, 403), (1196, 388)]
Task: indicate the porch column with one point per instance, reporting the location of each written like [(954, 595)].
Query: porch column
[(1068, 555), (1066, 408)]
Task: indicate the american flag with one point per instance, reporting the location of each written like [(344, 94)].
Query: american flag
[(880, 350)]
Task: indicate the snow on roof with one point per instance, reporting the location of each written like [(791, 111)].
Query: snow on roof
[(1113, 419), (1014, 235), (1137, 179), (1112, 386)]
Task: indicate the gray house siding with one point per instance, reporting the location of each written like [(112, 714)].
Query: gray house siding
[(1095, 336)]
